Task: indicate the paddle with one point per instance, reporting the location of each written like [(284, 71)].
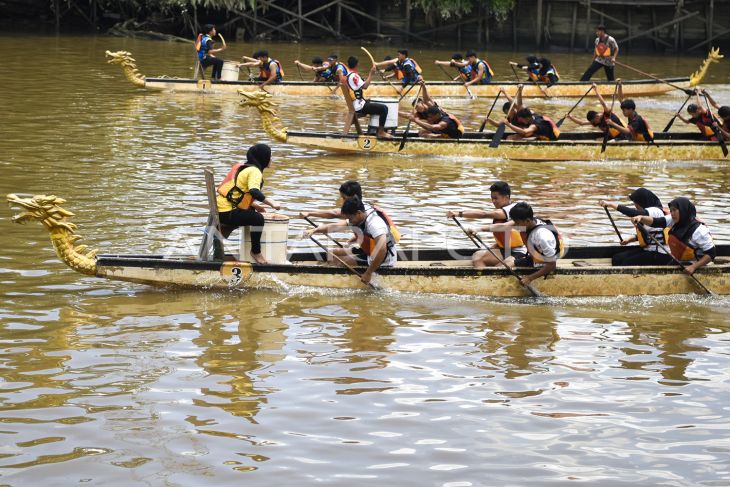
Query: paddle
[(607, 134), (669, 125), (484, 123), (613, 223), (408, 91), (300, 72), (372, 59), (686, 91), (349, 267), (408, 126), (327, 234), (659, 244), (499, 133), (715, 130), (560, 122), (529, 287)]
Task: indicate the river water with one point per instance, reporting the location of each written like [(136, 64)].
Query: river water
[(107, 383)]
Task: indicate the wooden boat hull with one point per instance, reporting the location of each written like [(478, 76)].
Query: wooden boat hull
[(477, 145), (441, 89), (428, 275)]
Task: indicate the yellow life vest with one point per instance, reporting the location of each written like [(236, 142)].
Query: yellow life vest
[(642, 234)]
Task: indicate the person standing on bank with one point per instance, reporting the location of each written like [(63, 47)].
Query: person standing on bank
[(355, 84), (604, 55), (206, 53), (239, 192)]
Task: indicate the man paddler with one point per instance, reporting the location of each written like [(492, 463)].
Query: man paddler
[(371, 228), (604, 55), (508, 241), (700, 117), (481, 72), (528, 125), (407, 69), (204, 44), (723, 113), (457, 62), (433, 120), (239, 195), (637, 128), (355, 86), (332, 70), (270, 70), (688, 239), (600, 120)]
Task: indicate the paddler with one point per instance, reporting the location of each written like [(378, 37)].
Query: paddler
[(723, 113), (206, 52), (532, 126), (548, 73), (350, 190), (700, 117), (648, 204), (373, 233), (239, 195), (410, 71), (481, 72), (318, 67), (270, 70), (599, 120), (355, 84), (510, 107), (688, 239), (543, 241), (457, 62), (433, 120), (604, 55), (532, 68), (507, 240), (637, 128)]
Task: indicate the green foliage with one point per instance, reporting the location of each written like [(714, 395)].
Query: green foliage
[(459, 8)]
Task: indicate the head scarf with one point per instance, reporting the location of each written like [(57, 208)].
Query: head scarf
[(688, 223), (259, 155), (645, 198)]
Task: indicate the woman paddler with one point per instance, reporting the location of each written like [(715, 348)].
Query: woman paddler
[(688, 238), (647, 204), (239, 192)]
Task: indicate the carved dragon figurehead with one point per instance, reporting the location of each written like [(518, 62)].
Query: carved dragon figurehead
[(128, 64), (267, 109), (713, 56), (47, 210)]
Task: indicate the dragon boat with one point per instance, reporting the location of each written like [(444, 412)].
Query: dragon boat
[(585, 271), (572, 146), (439, 89)]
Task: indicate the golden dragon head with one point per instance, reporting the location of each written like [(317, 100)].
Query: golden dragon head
[(713, 56), (263, 103), (128, 64), (48, 211), (43, 208)]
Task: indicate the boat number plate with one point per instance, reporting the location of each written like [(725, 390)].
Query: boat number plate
[(366, 142), (236, 273)]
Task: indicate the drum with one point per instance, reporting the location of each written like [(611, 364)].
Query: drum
[(273, 239)]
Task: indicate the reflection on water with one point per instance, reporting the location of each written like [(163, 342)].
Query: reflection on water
[(118, 384)]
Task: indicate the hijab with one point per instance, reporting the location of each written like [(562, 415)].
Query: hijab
[(688, 223), (645, 198), (258, 155)]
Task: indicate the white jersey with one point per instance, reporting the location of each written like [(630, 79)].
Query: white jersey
[(656, 232), (700, 239), (375, 226), (520, 250), (355, 82)]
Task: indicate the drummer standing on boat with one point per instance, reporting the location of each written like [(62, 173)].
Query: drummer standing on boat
[(604, 55), (204, 45)]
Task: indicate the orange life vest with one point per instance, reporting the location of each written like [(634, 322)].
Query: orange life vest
[(368, 244), (545, 133), (265, 71), (228, 189)]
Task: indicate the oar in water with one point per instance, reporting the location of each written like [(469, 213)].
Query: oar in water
[(613, 223), (669, 253), (499, 133), (685, 90), (715, 130), (329, 252), (408, 126), (608, 127), (671, 121), (372, 59), (560, 122), (484, 123), (529, 287), (327, 234)]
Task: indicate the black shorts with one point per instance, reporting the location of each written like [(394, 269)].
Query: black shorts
[(360, 256), (523, 260)]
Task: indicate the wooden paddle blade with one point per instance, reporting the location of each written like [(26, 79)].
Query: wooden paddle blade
[(497, 137), (669, 125), (560, 122), (484, 124), (605, 141), (534, 291)]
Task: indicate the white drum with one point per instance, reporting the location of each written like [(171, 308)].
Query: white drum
[(273, 239), (230, 71), (392, 121)]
